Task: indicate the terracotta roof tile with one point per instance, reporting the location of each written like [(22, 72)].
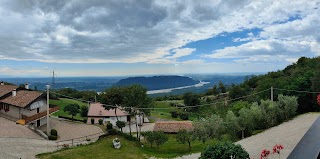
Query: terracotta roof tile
[(23, 98), (172, 126), (96, 109), (5, 89)]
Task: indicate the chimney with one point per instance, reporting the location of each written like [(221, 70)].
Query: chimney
[(14, 93), (1, 83), (26, 86)]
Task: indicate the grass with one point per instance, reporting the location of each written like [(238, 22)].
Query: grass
[(163, 113), (129, 150), (62, 103)]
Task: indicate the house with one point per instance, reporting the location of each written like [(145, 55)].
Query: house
[(97, 111), (172, 126), (23, 105)]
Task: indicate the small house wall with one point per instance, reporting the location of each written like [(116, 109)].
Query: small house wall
[(13, 112), (112, 120)]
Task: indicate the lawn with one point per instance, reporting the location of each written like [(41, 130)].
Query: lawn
[(62, 103), (163, 113), (130, 150)]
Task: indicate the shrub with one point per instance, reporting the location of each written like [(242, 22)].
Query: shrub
[(51, 137), (174, 114), (223, 150), (54, 132), (84, 111), (109, 126), (172, 104), (128, 137), (85, 120), (100, 121), (112, 131), (65, 117), (92, 121), (184, 116)]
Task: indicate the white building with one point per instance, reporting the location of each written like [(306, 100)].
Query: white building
[(97, 111), (22, 105)]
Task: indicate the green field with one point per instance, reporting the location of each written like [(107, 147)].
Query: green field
[(165, 113), (130, 150), (62, 103)]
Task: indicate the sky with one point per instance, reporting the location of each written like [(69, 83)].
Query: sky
[(143, 37)]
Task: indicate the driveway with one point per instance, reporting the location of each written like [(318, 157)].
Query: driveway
[(16, 148), (11, 129), (68, 130)]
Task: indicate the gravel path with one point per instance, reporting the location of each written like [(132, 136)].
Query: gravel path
[(288, 134)]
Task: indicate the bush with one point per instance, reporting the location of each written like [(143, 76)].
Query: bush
[(85, 120), (128, 137), (174, 114), (223, 150), (54, 132), (51, 137), (92, 121), (184, 116), (112, 131), (109, 126), (84, 111), (100, 121)]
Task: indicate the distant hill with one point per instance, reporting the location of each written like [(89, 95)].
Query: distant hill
[(159, 82)]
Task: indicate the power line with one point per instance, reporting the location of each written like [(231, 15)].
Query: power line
[(289, 90), (200, 105)]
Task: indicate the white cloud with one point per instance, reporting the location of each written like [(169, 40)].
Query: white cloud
[(146, 31)]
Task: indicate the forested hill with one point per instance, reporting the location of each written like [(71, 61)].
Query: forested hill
[(158, 82), (304, 75)]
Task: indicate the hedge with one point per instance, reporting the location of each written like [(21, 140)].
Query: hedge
[(64, 117)]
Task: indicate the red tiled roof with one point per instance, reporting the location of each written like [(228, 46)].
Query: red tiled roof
[(5, 89), (172, 126), (23, 98), (96, 109)]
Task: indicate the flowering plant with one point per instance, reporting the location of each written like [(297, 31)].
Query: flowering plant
[(277, 148), (264, 154), (318, 99)]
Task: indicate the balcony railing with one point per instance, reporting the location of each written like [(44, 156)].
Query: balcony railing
[(39, 115)]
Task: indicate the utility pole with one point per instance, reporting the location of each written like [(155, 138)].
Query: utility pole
[(48, 86), (271, 94)]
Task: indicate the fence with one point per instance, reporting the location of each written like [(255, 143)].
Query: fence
[(80, 140)]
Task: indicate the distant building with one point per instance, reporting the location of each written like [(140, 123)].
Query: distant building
[(97, 111), (172, 126), (23, 105)]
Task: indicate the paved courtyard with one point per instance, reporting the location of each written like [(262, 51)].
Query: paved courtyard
[(11, 129), (69, 130), (145, 127), (16, 148)]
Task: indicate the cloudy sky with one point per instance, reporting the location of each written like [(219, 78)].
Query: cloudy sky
[(115, 37)]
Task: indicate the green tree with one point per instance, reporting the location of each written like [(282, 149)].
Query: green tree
[(224, 150), (236, 106), (159, 138), (149, 137), (185, 136), (288, 104), (113, 98), (245, 121), (208, 128), (72, 109), (135, 97), (120, 124), (84, 111), (191, 99), (231, 123), (222, 88)]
